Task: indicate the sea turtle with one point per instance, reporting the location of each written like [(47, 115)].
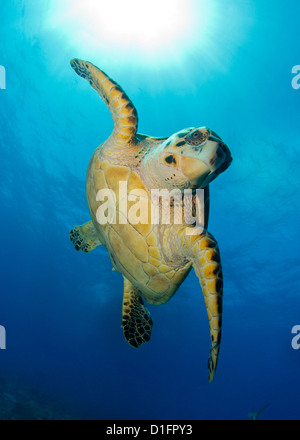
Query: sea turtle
[(154, 258)]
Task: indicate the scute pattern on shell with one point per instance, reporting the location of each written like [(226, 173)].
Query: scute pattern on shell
[(135, 250)]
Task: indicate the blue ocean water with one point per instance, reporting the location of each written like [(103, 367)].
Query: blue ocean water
[(62, 309)]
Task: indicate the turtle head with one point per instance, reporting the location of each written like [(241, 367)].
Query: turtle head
[(195, 156)]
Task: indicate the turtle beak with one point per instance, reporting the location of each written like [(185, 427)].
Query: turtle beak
[(224, 152), (216, 154), (213, 159), (220, 161), (223, 149)]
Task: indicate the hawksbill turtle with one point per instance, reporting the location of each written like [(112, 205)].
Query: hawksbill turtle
[(154, 258)]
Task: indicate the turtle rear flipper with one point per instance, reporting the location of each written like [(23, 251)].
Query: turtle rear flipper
[(84, 238), (137, 322)]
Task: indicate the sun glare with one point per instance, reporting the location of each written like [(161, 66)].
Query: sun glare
[(145, 24), (159, 28)]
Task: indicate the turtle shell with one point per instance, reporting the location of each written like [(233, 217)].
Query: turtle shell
[(135, 250)]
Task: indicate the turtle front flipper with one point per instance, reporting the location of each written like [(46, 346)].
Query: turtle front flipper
[(123, 111), (204, 252), (137, 322), (85, 238)]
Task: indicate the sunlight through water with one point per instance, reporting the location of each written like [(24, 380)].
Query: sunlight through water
[(160, 30)]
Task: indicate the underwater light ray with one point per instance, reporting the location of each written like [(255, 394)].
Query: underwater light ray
[(183, 38), (152, 30)]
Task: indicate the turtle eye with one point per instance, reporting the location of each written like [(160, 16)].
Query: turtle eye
[(195, 138)]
